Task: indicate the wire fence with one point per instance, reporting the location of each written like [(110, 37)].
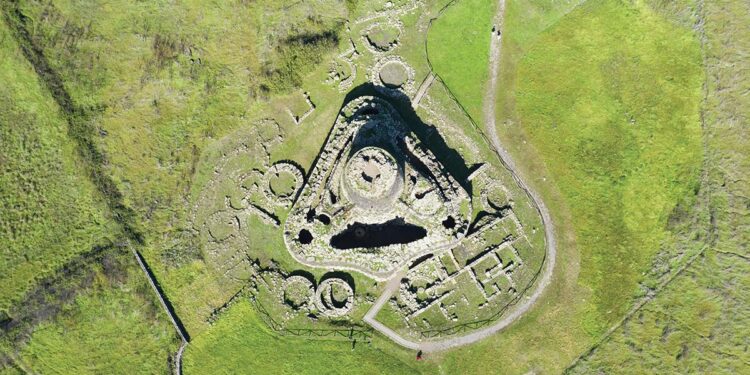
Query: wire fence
[(352, 333), (463, 327)]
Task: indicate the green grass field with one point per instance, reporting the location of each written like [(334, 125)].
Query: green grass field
[(241, 341), (695, 325), (610, 97), (698, 324), (110, 328), (555, 56), (599, 104), (51, 214), (458, 47), (49, 209)]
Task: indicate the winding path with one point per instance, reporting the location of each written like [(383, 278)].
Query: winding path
[(551, 248)]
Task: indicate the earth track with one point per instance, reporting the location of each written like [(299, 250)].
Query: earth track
[(488, 109)]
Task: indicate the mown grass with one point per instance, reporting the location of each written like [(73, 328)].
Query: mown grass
[(240, 342), (458, 47), (610, 97), (113, 327), (49, 210), (443, 42)]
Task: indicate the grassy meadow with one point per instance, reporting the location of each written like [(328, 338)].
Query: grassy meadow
[(51, 214), (612, 148), (458, 47), (241, 341), (610, 99), (698, 324), (49, 209), (114, 327)]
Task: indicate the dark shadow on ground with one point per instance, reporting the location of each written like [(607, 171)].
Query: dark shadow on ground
[(426, 133), (307, 275), (340, 275)]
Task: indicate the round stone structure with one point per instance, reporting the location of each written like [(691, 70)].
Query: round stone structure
[(276, 170), (334, 297), (298, 292), (393, 74), (377, 198), (374, 179)]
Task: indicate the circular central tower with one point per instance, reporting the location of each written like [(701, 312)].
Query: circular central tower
[(373, 179)]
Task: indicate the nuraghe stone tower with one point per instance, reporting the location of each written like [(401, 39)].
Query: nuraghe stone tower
[(376, 198)]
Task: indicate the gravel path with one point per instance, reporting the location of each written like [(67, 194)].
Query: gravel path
[(390, 288), (546, 277), (422, 90)]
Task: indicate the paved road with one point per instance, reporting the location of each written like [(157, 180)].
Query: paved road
[(546, 277)]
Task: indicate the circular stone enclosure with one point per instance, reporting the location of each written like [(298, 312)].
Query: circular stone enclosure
[(383, 38), (282, 181), (298, 292), (222, 225), (393, 74), (282, 185), (334, 297), (373, 178)]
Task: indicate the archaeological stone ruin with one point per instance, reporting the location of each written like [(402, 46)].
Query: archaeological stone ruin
[(440, 251), (377, 198)]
